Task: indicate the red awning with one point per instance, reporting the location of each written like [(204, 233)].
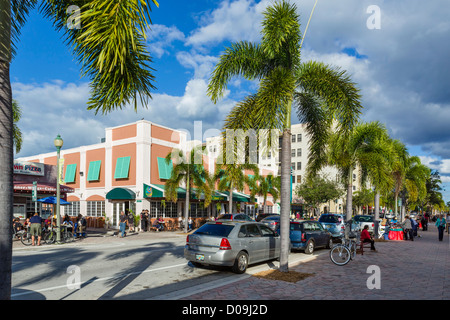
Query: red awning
[(41, 187)]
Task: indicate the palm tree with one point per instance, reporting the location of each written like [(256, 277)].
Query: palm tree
[(317, 91), (363, 148), (188, 173), (399, 167), (110, 47), (415, 189), (232, 177), (266, 185), (17, 134)]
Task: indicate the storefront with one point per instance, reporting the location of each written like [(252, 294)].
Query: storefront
[(40, 177)]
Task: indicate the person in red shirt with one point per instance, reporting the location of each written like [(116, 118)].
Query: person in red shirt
[(366, 237)]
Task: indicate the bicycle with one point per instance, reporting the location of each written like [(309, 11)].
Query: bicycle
[(345, 251), (66, 235), (26, 238)]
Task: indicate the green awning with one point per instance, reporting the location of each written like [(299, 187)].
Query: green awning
[(238, 197), (164, 169), (71, 170), (122, 168), (94, 170), (158, 191), (121, 194)]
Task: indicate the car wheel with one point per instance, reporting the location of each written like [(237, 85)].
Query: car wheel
[(241, 263), (330, 243), (309, 247)]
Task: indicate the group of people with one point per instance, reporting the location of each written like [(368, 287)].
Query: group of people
[(36, 223), (410, 225)]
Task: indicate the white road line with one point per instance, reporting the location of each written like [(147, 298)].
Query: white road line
[(98, 280)]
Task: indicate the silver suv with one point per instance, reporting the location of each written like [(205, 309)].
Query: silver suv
[(235, 244)]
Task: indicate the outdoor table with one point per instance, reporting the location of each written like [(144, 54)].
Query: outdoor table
[(396, 234)]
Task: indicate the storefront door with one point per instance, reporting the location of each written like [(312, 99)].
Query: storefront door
[(118, 207)]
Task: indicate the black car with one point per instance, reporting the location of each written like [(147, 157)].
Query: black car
[(235, 217), (265, 215)]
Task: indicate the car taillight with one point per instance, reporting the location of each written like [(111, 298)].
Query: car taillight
[(187, 240), (225, 244), (373, 225), (303, 237)]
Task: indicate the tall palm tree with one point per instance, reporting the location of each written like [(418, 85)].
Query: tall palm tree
[(268, 184), (399, 167), (232, 177), (317, 91), (189, 173), (109, 43), (360, 149), (415, 189)]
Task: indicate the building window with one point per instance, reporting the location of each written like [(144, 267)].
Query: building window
[(293, 179), (299, 137), (73, 209), (299, 166), (168, 210), (293, 138), (299, 152), (293, 153), (299, 179), (198, 210), (95, 208)]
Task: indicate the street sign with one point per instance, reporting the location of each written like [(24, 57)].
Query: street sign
[(34, 191)]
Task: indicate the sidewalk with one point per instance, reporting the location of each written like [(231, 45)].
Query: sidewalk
[(409, 270)]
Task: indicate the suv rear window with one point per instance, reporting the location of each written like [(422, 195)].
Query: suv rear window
[(363, 219), (220, 230), (330, 219), (225, 216)]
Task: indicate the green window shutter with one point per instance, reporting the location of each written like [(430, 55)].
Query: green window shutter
[(164, 170), (94, 170), (122, 168), (71, 170)]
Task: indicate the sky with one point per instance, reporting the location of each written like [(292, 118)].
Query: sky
[(396, 51)]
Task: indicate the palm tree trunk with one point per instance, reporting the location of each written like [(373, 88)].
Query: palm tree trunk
[(377, 211), (230, 199), (349, 194), (285, 198), (6, 152), (186, 207)]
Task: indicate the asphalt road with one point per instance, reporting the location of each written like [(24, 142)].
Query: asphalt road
[(112, 268)]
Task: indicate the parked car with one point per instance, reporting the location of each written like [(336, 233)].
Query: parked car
[(335, 223), (361, 221), (261, 216), (235, 244), (272, 221), (308, 235), (235, 216)]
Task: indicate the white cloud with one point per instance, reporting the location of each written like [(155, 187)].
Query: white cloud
[(161, 37)]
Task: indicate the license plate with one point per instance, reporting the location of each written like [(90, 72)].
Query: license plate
[(200, 257)]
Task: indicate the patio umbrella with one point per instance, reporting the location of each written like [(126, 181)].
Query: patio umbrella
[(52, 200)]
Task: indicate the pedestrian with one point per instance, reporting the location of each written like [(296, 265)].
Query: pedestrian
[(130, 217), (407, 229), (440, 224), (366, 237), (17, 226), (190, 224), (36, 229), (144, 220), (414, 226), (81, 225), (122, 224), (424, 223)]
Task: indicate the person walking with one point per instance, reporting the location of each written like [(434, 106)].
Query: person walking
[(144, 220), (440, 224), (407, 229), (122, 223), (130, 218), (36, 229)]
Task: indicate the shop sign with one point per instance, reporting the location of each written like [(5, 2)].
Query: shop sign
[(28, 168)]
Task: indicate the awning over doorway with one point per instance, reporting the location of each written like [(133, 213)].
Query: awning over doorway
[(121, 194), (158, 191), (41, 187)]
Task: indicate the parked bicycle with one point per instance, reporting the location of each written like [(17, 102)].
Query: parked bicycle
[(66, 234), (345, 251), (25, 236)]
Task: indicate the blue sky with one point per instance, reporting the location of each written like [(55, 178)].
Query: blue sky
[(401, 68)]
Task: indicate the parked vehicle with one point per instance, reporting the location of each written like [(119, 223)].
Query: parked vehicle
[(272, 222), (235, 217), (360, 221), (232, 243), (262, 216), (335, 223), (308, 235)]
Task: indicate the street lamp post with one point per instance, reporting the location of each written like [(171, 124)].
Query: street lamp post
[(58, 144)]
